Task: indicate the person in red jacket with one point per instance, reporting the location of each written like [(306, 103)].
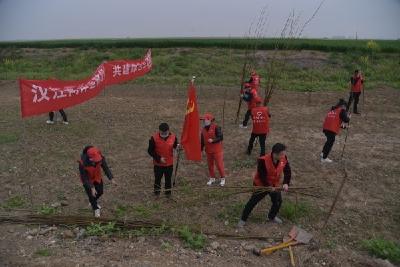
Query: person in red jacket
[(356, 87), (254, 80), (211, 140), (336, 118), (161, 149), (90, 165), (269, 174), (250, 95), (260, 116)]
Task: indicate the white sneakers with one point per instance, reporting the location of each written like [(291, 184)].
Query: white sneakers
[(242, 126), (327, 160), (52, 122), (97, 213), (276, 220), (212, 180), (241, 224)]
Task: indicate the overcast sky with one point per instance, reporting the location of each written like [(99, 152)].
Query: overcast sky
[(66, 19)]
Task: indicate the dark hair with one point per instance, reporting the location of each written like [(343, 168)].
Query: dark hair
[(341, 102), (278, 148), (163, 127), (356, 71), (86, 148)]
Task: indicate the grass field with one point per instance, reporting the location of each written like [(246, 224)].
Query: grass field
[(304, 70), (389, 46)]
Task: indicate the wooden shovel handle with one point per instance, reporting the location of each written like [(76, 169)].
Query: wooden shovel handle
[(291, 257), (268, 251)]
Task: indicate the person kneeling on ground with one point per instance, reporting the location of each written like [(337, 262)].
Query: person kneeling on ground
[(336, 119), (269, 171), (161, 149), (90, 165), (211, 140)]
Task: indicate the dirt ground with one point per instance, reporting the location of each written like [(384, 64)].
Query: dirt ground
[(121, 120)]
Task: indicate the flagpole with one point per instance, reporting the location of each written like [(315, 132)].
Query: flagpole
[(178, 156)]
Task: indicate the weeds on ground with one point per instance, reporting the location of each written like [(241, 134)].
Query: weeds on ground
[(293, 211), (99, 229), (145, 231), (47, 210), (7, 138), (230, 214), (383, 249), (43, 252), (14, 202), (192, 240), (166, 245)]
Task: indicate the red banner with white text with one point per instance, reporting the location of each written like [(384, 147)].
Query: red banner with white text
[(42, 96)]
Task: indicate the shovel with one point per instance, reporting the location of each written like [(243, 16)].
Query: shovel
[(296, 236)]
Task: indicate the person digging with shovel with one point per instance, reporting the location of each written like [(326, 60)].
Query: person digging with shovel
[(269, 172), (90, 165), (336, 119)]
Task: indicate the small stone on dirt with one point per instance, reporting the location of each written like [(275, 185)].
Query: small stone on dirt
[(56, 205), (47, 230), (68, 234), (214, 245)]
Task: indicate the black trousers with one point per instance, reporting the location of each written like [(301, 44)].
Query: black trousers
[(261, 139), (64, 116), (356, 97), (99, 192), (276, 199), (246, 117), (330, 140), (159, 172)]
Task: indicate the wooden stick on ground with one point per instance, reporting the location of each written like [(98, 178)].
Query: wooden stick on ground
[(336, 198)]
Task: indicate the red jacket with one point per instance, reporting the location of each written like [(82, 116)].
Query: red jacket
[(260, 117), (253, 101), (93, 172), (332, 120), (164, 148), (356, 84), (211, 148), (274, 174)]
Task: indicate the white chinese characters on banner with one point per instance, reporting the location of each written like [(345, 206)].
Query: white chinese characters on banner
[(47, 94)]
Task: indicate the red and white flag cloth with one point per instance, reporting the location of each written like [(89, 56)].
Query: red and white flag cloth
[(190, 138), (42, 96)]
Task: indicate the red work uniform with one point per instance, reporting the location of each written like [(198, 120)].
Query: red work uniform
[(332, 121), (260, 117), (214, 150)]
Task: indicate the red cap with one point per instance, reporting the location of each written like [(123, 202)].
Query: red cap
[(207, 116), (94, 154)]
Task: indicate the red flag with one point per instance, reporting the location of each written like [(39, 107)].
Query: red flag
[(190, 138)]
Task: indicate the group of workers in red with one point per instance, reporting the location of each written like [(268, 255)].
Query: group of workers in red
[(270, 167)]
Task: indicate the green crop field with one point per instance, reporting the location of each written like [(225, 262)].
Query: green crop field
[(301, 64), (388, 46)]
